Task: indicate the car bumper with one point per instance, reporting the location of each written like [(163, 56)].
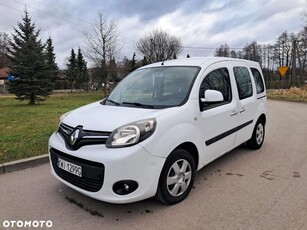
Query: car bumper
[(103, 167)]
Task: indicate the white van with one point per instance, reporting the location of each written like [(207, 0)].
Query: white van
[(161, 124)]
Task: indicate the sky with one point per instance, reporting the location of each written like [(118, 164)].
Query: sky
[(202, 25)]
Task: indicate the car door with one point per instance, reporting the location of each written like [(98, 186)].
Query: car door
[(218, 120), (247, 102)]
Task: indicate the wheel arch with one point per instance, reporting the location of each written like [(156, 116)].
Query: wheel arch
[(262, 117), (192, 149)]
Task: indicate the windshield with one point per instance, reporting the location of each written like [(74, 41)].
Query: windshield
[(156, 87)]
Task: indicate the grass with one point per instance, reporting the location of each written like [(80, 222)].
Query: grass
[(292, 94), (25, 129)]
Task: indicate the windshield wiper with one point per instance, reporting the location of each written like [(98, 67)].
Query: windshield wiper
[(138, 104), (114, 102)]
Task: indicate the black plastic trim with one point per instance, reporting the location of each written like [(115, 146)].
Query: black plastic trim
[(261, 97), (86, 137), (92, 172), (227, 133)]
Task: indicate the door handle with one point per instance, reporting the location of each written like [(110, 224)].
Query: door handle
[(242, 110), (233, 113)]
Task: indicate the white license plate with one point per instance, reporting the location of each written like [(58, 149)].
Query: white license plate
[(70, 167)]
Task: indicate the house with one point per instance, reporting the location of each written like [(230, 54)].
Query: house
[(3, 79)]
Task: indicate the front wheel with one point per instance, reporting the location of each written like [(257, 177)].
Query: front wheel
[(258, 135), (177, 177)]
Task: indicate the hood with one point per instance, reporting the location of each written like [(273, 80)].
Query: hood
[(106, 118)]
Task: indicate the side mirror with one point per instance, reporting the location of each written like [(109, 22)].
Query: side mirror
[(212, 96)]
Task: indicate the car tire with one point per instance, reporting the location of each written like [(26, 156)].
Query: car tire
[(258, 136), (177, 177)]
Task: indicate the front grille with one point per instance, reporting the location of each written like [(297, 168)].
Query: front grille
[(92, 172), (84, 137)]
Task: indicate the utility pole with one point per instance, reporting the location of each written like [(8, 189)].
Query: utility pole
[(294, 48)]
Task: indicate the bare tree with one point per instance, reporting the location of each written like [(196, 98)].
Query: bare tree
[(233, 54), (222, 51), (282, 49), (302, 48), (158, 45), (4, 44), (102, 46), (252, 52)]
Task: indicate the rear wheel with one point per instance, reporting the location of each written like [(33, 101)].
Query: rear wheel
[(258, 136), (177, 177)]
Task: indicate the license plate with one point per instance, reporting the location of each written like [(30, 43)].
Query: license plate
[(70, 167)]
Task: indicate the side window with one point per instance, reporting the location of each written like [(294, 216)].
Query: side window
[(243, 81), (217, 80), (258, 80)]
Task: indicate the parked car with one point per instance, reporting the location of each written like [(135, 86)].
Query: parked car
[(161, 124)]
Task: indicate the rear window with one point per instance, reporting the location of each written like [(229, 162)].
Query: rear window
[(258, 80), (244, 82)]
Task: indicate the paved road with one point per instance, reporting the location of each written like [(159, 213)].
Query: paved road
[(265, 189)]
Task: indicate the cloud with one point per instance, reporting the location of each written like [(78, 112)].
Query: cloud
[(145, 10), (199, 23)]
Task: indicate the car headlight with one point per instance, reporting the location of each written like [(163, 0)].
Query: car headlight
[(61, 119), (131, 134)]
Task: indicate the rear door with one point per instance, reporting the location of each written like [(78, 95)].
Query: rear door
[(247, 102)]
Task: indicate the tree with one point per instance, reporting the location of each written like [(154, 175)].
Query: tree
[(102, 46), (302, 48), (113, 70), (144, 61), (81, 73), (252, 52), (158, 45), (27, 63), (282, 50), (222, 51), (267, 54), (4, 43), (124, 67), (53, 69), (71, 71), (133, 62), (233, 54)]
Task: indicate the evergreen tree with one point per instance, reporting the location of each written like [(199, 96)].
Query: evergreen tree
[(82, 74), (27, 63), (133, 62), (53, 69), (71, 71)]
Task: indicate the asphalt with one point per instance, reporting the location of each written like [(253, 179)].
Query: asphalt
[(263, 189), (23, 163)]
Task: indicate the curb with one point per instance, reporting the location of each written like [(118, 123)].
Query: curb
[(24, 163)]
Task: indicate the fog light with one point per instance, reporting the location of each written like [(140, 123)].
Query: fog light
[(125, 187)]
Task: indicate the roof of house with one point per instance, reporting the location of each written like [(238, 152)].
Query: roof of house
[(3, 73)]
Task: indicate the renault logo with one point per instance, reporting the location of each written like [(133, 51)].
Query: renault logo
[(75, 136)]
